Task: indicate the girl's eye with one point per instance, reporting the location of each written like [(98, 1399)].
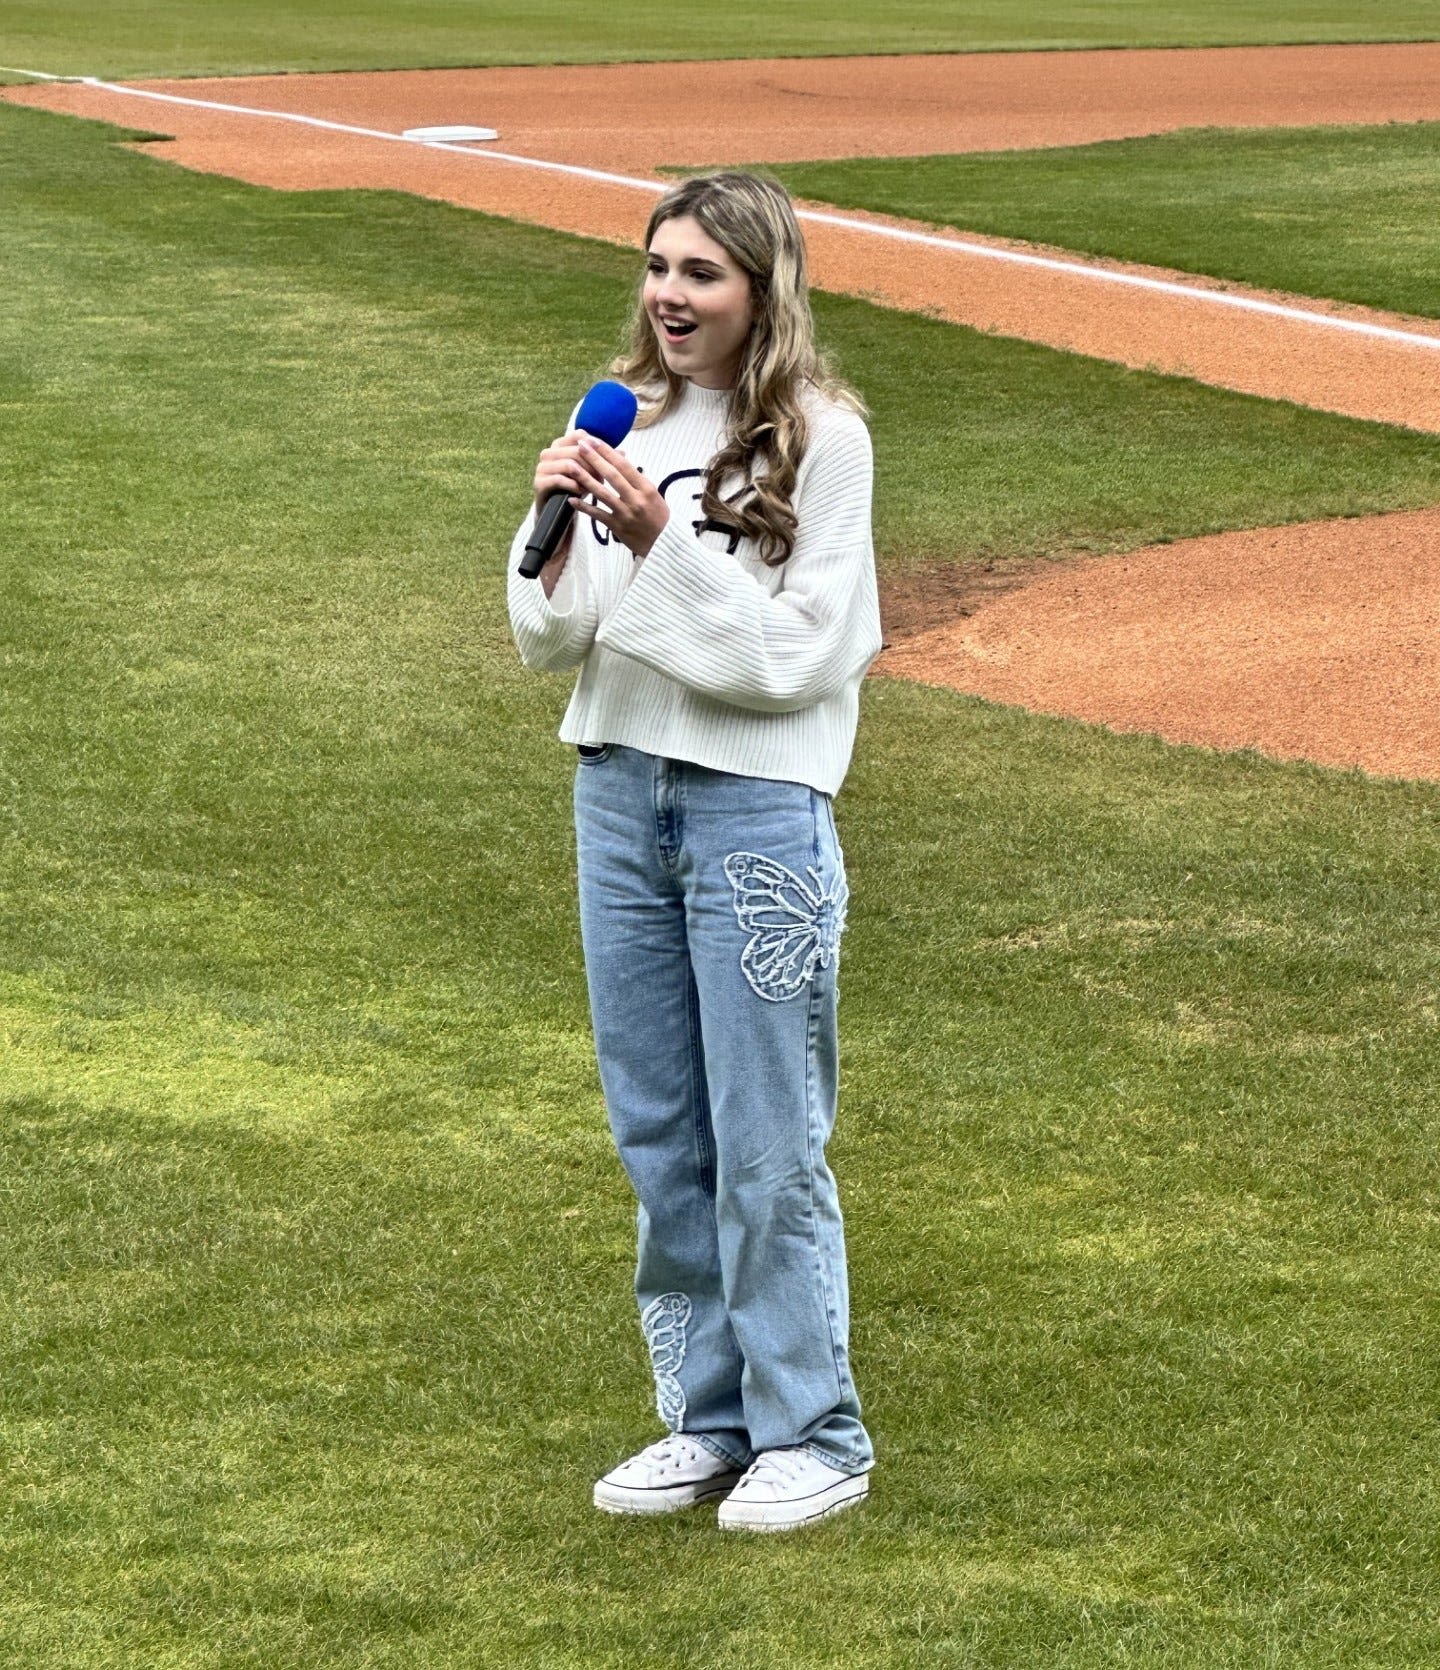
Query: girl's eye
[(705, 277)]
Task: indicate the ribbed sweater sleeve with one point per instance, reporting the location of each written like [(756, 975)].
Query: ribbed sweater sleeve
[(553, 633), (697, 615)]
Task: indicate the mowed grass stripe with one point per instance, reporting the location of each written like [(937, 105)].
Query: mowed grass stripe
[(317, 1252), (180, 37), (1347, 213)]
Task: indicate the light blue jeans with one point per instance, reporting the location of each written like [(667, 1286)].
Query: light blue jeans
[(711, 909)]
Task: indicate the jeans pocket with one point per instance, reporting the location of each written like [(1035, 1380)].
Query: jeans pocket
[(826, 833), (592, 753)]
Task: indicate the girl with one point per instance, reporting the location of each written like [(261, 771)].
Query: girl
[(718, 593)]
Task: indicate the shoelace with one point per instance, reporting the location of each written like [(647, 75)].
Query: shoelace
[(782, 1466), (665, 1450)]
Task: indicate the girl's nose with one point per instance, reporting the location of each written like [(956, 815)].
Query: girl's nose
[(668, 292)]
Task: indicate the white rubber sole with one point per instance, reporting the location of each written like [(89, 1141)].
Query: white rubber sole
[(790, 1516), (671, 1498)]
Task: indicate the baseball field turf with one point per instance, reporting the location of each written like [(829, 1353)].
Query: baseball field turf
[(1349, 213), (317, 1321)]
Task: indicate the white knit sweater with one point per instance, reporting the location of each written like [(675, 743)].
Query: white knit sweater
[(699, 651)]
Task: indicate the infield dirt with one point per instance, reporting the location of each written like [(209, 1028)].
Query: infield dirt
[(1314, 641)]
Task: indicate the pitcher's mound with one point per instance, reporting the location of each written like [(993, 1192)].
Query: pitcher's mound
[(1317, 641)]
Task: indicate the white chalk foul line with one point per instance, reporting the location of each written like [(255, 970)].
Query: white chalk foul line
[(1079, 269), (373, 133), (871, 228)]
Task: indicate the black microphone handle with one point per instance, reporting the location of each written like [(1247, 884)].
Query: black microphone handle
[(556, 515)]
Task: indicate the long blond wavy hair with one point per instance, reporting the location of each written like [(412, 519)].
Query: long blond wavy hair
[(753, 220)]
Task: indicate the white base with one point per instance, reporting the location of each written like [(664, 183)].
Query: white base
[(449, 135)]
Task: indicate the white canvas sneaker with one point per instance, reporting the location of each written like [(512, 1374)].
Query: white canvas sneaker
[(674, 1473), (789, 1487)]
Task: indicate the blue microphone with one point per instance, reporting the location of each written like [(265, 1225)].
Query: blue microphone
[(608, 411)]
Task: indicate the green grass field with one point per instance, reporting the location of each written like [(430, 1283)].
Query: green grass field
[(176, 37), (1351, 213), (316, 1288)]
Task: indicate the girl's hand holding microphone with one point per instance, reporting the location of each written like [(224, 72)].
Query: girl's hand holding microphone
[(621, 498)]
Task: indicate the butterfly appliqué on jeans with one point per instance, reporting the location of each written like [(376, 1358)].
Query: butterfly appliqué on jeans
[(793, 930), (663, 1322)]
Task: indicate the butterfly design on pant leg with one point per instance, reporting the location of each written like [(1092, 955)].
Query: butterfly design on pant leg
[(792, 929), (663, 1322)]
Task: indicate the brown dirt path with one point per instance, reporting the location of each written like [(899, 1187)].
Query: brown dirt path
[(635, 117), (1316, 641)]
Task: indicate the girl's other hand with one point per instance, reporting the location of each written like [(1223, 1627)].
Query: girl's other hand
[(627, 504)]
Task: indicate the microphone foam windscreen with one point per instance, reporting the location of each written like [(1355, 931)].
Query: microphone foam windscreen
[(608, 411)]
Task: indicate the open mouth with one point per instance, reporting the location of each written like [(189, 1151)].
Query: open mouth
[(676, 330)]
